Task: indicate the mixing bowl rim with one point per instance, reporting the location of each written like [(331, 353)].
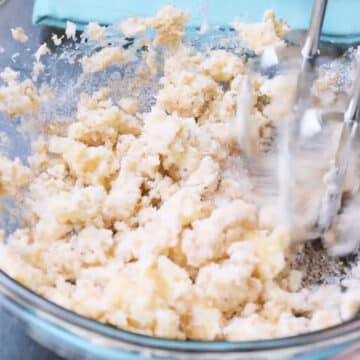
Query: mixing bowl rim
[(17, 291)]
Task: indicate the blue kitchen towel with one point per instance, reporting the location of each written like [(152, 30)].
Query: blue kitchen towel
[(342, 17)]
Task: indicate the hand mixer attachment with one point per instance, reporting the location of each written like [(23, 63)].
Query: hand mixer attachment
[(331, 201), (309, 54), (291, 146), (292, 149)]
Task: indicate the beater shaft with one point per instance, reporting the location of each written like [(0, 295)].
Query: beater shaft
[(290, 138), (331, 202), (306, 75)]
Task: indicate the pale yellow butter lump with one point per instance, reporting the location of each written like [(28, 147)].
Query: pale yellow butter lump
[(9, 75), (100, 121), (186, 90), (13, 175), (279, 107), (19, 98), (95, 31), (38, 68), (169, 23), (150, 221), (223, 66), (129, 105), (41, 51), (133, 26), (56, 39), (19, 34), (258, 36), (103, 59), (92, 165)]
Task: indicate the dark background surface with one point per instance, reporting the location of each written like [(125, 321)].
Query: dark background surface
[(14, 343)]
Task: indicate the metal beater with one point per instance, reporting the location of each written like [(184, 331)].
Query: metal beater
[(331, 199)]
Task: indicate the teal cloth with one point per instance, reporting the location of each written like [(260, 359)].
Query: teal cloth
[(342, 17)]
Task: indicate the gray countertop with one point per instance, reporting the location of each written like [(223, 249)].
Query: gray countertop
[(14, 343)]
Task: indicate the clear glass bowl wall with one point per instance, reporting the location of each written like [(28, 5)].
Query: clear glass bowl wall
[(74, 336)]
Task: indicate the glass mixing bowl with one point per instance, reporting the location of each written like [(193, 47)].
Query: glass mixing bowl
[(74, 336)]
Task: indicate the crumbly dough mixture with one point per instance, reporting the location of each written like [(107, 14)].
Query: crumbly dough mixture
[(18, 97), (19, 34), (103, 59), (149, 221), (259, 36), (95, 32)]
